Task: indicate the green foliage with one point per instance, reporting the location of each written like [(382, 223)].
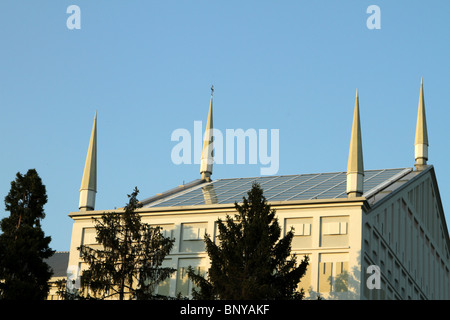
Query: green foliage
[(126, 263), (65, 293), (23, 245), (250, 261)]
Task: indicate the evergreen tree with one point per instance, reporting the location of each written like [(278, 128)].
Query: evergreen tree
[(126, 263), (250, 261), (23, 245)]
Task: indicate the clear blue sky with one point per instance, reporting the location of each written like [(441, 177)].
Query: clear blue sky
[(147, 68)]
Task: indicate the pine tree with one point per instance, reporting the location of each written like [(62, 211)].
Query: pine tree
[(127, 262), (250, 261), (23, 245)]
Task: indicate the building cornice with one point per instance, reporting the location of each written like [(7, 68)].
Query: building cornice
[(213, 208)]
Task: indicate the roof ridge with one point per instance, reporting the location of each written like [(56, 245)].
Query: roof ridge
[(311, 173)]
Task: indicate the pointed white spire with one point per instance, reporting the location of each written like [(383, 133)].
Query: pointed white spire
[(421, 141), (88, 188), (355, 167), (207, 159)]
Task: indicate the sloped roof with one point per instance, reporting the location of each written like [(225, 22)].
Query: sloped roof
[(276, 188), (58, 262)]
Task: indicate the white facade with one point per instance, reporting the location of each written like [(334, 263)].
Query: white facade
[(407, 237), (342, 237), (329, 232), (369, 234)]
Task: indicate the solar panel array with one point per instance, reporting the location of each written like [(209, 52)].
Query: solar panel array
[(276, 188)]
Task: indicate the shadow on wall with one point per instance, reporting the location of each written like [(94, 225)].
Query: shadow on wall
[(341, 284)]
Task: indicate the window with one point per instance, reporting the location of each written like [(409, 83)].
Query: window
[(334, 231), (331, 228), (302, 229), (89, 235), (192, 236), (193, 233)]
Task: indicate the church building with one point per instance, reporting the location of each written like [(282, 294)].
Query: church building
[(369, 234)]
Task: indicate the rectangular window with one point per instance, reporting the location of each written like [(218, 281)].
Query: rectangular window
[(192, 237), (89, 235), (334, 231), (183, 284), (193, 233), (302, 231), (330, 228)]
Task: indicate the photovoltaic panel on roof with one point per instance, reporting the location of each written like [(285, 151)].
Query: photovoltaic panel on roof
[(276, 188)]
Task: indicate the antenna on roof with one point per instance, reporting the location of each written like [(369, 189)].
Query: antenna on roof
[(212, 90)]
